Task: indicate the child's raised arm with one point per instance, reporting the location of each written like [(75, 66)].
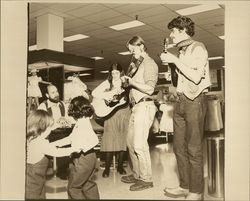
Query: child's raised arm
[(52, 150), (62, 142)]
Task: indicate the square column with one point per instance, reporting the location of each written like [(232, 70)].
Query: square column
[(50, 32)]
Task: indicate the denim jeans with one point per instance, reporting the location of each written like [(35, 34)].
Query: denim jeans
[(35, 179), (188, 141), (140, 122), (81, 184)]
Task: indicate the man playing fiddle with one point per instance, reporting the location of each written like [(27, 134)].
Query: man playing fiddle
[(142, 85)]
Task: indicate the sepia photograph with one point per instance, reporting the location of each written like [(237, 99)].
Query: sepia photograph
[(125, 100)]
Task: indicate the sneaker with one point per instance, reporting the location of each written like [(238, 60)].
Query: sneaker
[(141, 185), (176, 192), (129, 179), (194, 196)]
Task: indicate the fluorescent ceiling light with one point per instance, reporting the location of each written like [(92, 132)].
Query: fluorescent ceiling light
[(125, 53), (104, 71), (32, 47), (127, 25), (215, 58), (75, 37), (97, 58), (70, 68), (197, 9), (84, 74), (222, 37)]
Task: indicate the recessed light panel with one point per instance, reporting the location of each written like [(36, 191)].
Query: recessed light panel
[(75, 37), (125, 53), (215, 58), (127, 25), (197, 9), (97, 58)]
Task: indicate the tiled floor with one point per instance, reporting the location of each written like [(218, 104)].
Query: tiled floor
[(164, 175)]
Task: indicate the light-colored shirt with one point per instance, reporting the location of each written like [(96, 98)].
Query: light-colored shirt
[(194, 57), (38, 147), (82, 138), (147, 74)]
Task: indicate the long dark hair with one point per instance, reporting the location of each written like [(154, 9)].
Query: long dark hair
[(115, 66)]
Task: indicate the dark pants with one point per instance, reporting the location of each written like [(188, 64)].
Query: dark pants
[(62, 164), (35, 179), (81, 184), (188, 141)]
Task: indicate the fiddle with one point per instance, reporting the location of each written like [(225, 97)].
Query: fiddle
[(172, 66)]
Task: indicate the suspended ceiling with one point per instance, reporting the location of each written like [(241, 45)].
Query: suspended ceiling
[(94, 20)]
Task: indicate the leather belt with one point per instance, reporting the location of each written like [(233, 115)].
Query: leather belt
[(78, 154), (144, 100)]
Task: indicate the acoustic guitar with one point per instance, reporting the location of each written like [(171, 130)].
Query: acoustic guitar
[(106, 108)]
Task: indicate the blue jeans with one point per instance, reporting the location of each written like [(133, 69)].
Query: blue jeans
[(140, 122), (188, 119), (81, 184)]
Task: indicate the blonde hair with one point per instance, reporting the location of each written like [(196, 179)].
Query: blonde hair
[(38, 121)]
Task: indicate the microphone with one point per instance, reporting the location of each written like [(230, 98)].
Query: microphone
[(165, 48), (165, 45)]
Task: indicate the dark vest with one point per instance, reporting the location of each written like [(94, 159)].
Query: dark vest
[(61, 107)]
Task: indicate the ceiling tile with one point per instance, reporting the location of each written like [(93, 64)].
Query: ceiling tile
[(117, 20), (130, 8), (99, 32), (103, 15), (207, 15), (211, 20), (160, 17), (178, 6), (64, 6), (112, 5), (87, 10), (94, 20), (137, 30), (86, 28), (68, 32), (39, 12), (75, 23), (150, 11), (33, 7)]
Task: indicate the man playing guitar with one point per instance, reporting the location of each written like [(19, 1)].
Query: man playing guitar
[(142, 84)]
